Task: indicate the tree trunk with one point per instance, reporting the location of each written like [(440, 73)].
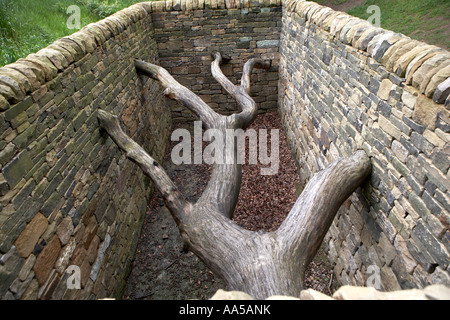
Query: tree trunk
[(259, 263)]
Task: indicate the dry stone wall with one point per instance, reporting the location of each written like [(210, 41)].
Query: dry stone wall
[(71, 204), (189, 32), (346, 85)]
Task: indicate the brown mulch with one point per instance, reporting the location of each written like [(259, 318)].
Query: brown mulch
[(265, 200), (161, 270)]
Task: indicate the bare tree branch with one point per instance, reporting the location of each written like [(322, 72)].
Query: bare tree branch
[(220, 77), (309, 220), (248, 68), (174, 90), (241, 94)]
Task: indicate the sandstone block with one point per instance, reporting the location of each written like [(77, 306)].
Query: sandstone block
[(396, 51), (46, 260), (421, 77), (346, 29), (419, 60), (366, 36), (65, 255), (320, 15), (311, 294), (385, 46), (400, 66), (8, 94), (426, 111), (64, 230), (385, 89), (55, 56), (31, 234), (400, 151), (389, 128), (339, 23), (11, 89), (230, 295), (44, 64), (27, 71), (409, 99), (18, 77), (4, 104), (327, 22), (355, 33)]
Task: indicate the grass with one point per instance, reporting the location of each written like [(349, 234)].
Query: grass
[(26, 26), (425, 20)]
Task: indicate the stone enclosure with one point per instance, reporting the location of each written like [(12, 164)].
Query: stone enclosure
[(71, 202)]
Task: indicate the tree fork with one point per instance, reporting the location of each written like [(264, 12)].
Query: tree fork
[(259, 263)]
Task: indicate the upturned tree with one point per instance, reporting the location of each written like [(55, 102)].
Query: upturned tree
[(259, 263)]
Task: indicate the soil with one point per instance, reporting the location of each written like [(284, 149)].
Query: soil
[(163, 270)]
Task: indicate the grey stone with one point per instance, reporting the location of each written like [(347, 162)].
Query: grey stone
[(17, 168), (418, 205), (101, 255), (442, 91), (421, 143), (9, 270), (267, 43), (432, 245)]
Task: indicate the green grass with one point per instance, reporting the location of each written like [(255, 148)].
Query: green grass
[(26, 26), (425, 20)]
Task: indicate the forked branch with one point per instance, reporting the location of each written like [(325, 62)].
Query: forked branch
[(241, 94)]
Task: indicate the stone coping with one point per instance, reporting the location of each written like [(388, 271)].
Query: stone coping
[(423, 66)]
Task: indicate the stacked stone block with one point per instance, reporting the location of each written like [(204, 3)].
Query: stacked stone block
[(346, 85), (189, 32), (69, 199)]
